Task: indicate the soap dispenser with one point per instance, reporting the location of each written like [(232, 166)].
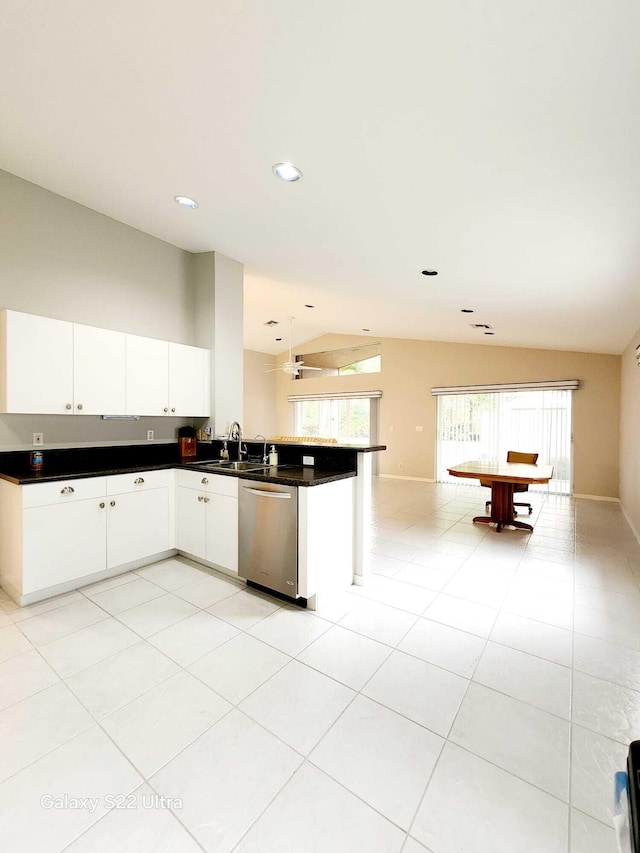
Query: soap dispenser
[(273, 455), (224, 453)]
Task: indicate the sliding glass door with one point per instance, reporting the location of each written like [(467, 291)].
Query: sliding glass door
[(484, 426)]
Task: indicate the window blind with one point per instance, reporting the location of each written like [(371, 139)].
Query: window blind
[(549, 385), (337, 395), (484, 426)]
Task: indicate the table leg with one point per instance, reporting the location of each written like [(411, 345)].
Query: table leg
[(502, 508)]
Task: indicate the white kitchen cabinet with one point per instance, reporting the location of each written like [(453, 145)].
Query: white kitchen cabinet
[(36, 364), (147, 376), (63, 532), (221, 531), (63, 542), (137, 526), (188, 381), (207, 518), (166, 378), (98, 371), (55, 367), (190, 522)]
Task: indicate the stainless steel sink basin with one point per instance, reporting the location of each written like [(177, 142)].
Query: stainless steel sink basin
[(231, 466)]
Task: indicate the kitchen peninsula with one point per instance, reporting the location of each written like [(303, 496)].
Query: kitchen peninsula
[(94, 512)]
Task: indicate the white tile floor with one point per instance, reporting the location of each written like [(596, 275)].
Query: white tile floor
[(477, 695)]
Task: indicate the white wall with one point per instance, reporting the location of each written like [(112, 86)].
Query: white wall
[(60, 259), (629, 435), (259, 395)]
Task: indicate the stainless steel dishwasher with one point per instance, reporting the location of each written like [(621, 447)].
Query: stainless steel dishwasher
[(268, 535)]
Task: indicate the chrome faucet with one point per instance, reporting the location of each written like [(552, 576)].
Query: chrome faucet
[(265, 458), (235, 434)]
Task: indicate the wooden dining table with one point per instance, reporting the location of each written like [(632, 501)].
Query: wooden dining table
[(503, 477)]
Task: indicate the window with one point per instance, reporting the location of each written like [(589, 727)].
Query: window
[(485, 426), (349, 418), (367, 365), (348, 421)]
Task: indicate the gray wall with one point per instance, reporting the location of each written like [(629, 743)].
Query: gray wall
[(62, 260)]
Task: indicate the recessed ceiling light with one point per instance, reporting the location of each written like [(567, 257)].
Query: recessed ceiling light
[(271, 323), (185, 201), (309, 306), (489, 333), (366, 330), (429, 272), (467, 310), (278, 339), (287, 172)]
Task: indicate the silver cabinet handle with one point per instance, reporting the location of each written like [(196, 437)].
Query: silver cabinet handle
[(68, 407), (204, 481), (101, 505), (138, 480), (200, 497), (166, 409), (206, 500), (112, 503), (173, 410), (264, 494), (79, 407), (68, 490)]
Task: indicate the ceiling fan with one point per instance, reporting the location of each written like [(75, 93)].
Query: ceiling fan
[(290, 367)]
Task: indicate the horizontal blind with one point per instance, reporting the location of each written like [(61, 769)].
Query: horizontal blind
[(550, 385), (337, 395)]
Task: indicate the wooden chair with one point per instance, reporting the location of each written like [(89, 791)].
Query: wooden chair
[(525, 459)]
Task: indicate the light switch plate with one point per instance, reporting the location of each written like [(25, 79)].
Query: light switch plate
[(308, 460), (38, 439)]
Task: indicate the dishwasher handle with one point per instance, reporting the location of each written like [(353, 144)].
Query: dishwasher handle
[(265, 494)]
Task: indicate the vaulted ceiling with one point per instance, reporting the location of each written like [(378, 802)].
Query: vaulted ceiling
[(497, 143)]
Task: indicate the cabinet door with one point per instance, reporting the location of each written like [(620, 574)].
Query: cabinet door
[(98, 371), (222, 531), (188, 381), (147, 376), (38, 369), (137, 526), (63, 542), (190, 521)]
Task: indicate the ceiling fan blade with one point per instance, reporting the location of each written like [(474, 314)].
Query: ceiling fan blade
[(302, 367)]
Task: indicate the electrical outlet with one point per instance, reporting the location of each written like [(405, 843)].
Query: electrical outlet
[(38, 439), (308, 460), (149, 435), (419, 429)]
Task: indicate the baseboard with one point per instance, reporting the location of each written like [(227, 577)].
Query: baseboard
[(630, 523), (596, 498), (401, 477)]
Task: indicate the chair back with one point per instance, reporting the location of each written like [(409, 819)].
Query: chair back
[(523, 458)]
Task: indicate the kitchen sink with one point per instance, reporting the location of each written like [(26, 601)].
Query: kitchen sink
[(230, 466)]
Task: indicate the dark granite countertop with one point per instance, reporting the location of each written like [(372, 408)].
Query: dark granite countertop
[(332, 462)]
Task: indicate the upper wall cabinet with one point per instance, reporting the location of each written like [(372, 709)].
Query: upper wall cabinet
[(188, 380), (36, 365), (54, 367), (166, 379), (98, 371)]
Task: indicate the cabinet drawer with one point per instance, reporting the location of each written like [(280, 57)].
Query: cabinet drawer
[(63, 491), (203, 481), (140, 481)]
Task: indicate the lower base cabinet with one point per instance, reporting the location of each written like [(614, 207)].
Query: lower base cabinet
[(78, 528), (62, 543), (207, 518)]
